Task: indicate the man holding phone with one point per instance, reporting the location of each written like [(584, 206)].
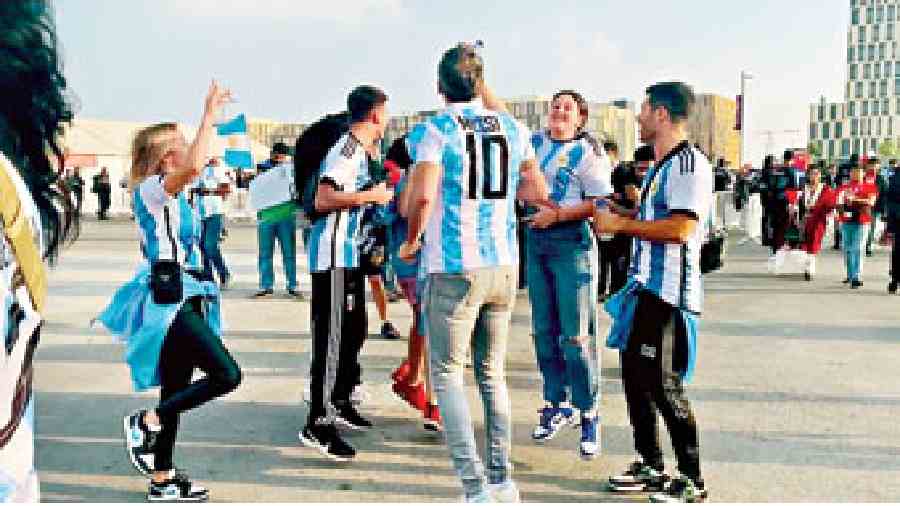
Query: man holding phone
[(338, 304)]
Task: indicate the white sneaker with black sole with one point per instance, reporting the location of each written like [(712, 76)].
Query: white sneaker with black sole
[(326, 440), (139, 442), (506, 492), (178, 488)]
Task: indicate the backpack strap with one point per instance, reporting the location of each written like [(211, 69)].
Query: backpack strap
[(19, 235)]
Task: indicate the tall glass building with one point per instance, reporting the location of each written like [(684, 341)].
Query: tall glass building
[(870, 113)]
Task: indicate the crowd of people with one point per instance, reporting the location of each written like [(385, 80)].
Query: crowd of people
[(448, 193), (857, 203)]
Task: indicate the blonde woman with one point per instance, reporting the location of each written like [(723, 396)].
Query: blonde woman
[(167, 341)]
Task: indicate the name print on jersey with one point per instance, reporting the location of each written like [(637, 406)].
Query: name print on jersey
[(494, 157)]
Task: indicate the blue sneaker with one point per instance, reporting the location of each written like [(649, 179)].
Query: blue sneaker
[(552, 420), (590, 437)]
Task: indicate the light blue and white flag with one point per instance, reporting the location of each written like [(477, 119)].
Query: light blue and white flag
[(237, 144)]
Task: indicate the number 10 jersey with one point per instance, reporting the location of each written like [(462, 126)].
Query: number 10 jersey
[(479, 153)]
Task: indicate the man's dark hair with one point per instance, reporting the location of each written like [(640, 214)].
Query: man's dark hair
[(460, 71), (398, 153), (675, 97), (611, 147), (579, 101), (280, 148), (644, 153), (362, 100), (33, 110)]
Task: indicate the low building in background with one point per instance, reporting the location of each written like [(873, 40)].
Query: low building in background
[(267, 132), (712, 126)]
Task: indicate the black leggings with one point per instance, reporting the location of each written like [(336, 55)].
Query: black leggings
[(189, 344)]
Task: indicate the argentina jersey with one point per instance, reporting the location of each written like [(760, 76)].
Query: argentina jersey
[(472, 225), (334, 239), (151, 207), (574, 170), (680, 183)]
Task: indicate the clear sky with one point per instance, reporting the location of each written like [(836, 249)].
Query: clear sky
[(293, 60)]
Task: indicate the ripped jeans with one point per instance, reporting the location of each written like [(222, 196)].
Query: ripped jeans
[(562, 287)]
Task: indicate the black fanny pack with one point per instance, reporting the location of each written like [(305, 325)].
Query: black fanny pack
[(165, 275), (165, 282)]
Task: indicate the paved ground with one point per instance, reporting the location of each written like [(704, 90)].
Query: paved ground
[(796, 395)]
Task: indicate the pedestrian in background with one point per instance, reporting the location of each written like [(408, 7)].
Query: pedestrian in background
[(856, 199), (605, 249), (277, 223), (103, 188), (816, 206), (892, 212), (876, 177), (208, 194), (75, 184)]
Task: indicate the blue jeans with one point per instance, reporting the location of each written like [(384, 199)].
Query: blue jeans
[(852, 239), (285, 232), (562, 283), (211, 234), (462, 310)]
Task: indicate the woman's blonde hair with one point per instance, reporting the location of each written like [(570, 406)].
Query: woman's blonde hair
[(149, 147)]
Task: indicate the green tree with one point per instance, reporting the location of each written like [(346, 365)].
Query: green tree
[(887, 149), (814, 152)]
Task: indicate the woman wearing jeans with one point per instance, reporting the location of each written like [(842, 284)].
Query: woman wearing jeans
[(562, 272), (855, 200), (166, 342)]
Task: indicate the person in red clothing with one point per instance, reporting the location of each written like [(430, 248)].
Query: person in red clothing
[(855, 200), (816, 206)]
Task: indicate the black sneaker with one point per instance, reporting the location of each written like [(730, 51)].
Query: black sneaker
[(856, 284), (264, 293), (639, 477), (139, 442), (846, 281), (327, 441), (388, 331), (680, 490), (295, 294), (892, 287), (349, 418), (178, 488)]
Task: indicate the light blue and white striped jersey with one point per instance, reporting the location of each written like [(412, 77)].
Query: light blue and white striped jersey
[(682, 182), (575, 170), (210, 178), (150, 204), (473, 224), (335, 239)]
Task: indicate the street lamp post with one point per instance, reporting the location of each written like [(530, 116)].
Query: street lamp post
[(745, 76)]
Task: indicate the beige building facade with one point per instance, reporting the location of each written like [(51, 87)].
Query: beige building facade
[(712, 126), (268, 132)]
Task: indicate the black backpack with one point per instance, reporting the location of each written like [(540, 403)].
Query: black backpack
[(310, 149)]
